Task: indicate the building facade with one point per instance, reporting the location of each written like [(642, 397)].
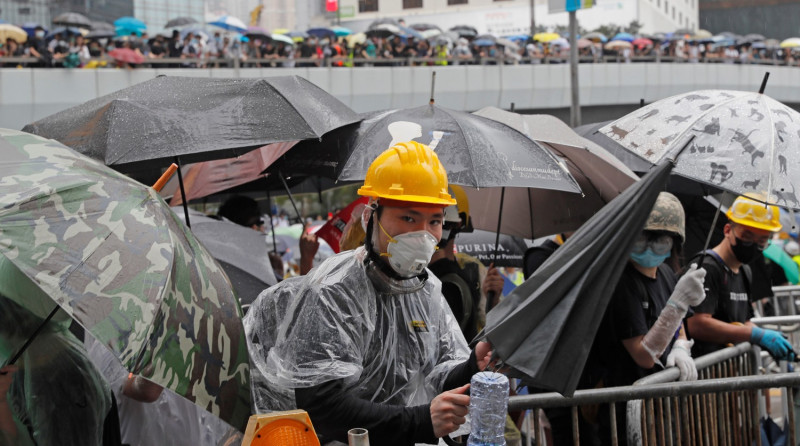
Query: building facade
[(43, 11), (514, 16), (156, 13), (776, 19)]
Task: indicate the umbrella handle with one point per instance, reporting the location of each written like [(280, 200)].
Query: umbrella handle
[(162, 181)]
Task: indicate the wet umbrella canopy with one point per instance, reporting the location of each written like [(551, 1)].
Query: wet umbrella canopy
[(72, 19), (196, 119), (242, 253), (542, 329), (110, 253), (475, 151), (744, 142)]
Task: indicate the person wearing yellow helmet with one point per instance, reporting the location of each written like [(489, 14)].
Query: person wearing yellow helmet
[(366, 338), (724, 316)]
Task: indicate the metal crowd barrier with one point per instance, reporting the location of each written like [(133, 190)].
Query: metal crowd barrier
[(724, 407), (670, 402), (729, 417)]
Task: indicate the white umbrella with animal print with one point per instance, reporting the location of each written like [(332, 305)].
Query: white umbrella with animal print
[(744, 142)]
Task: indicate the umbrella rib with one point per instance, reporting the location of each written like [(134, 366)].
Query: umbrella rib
[(771, 144), (458, 124)]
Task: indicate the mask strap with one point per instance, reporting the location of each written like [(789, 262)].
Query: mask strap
[(391, 239)]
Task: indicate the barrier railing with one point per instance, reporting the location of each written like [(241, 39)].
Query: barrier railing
[(729, 417), (711, 393), (344, 61)]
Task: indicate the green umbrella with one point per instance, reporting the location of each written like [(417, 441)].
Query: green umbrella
[(112, 255), (778, 256)]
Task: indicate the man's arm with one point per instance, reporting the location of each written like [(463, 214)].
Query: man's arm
[(703, 327), (334, 411)]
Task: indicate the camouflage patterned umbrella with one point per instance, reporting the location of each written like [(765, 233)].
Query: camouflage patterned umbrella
[(114, 257)]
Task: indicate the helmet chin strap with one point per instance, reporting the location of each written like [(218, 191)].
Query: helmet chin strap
[(375, 258)]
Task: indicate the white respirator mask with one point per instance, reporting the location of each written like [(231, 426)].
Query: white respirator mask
[(408, 254)]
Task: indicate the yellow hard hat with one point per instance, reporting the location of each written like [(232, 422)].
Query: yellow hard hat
[(459, 213), (408, 171), (755, 214)]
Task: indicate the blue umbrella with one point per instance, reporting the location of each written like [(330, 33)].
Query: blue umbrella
[(64, 31), (30, 28), (230, 23), (131, 23), (483, 42), (623, 36), (341, 31), (321, 32), (518, 37)]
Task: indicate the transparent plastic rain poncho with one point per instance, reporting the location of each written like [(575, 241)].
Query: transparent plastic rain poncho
[(170, 420), (57, 393), (389, 341)]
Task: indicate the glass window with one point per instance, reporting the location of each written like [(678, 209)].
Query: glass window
[(367, 5), (457, 2), (408, 4)]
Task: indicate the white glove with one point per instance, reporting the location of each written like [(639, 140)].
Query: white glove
[(688, 291), (681, 357)]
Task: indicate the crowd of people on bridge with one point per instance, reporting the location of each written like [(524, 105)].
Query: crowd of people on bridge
[(201, 48)]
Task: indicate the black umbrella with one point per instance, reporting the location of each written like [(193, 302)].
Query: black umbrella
[(72, 19), (146, 126), (196, 119), (481, 245), (543, 329), (242, 252), (180, 21), (476, 151)]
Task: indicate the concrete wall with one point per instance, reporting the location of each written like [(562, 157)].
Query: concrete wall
[(30, 94)]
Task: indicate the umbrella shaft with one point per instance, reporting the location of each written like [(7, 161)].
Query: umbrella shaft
[(33, 336)]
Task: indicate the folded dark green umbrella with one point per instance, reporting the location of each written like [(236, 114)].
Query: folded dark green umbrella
[(544, 329)]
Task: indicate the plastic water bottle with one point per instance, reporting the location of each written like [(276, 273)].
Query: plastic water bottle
[(488, 406)]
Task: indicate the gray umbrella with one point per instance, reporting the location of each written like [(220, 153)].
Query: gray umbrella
[(72, 19), (242, 252), (147, 125), (180, 21), (543, 329)]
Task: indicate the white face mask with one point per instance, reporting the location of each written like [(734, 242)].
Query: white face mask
[(410, 253)]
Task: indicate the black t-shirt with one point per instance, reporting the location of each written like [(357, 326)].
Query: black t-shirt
[(307, 50), (629, 314), (727, 299)]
